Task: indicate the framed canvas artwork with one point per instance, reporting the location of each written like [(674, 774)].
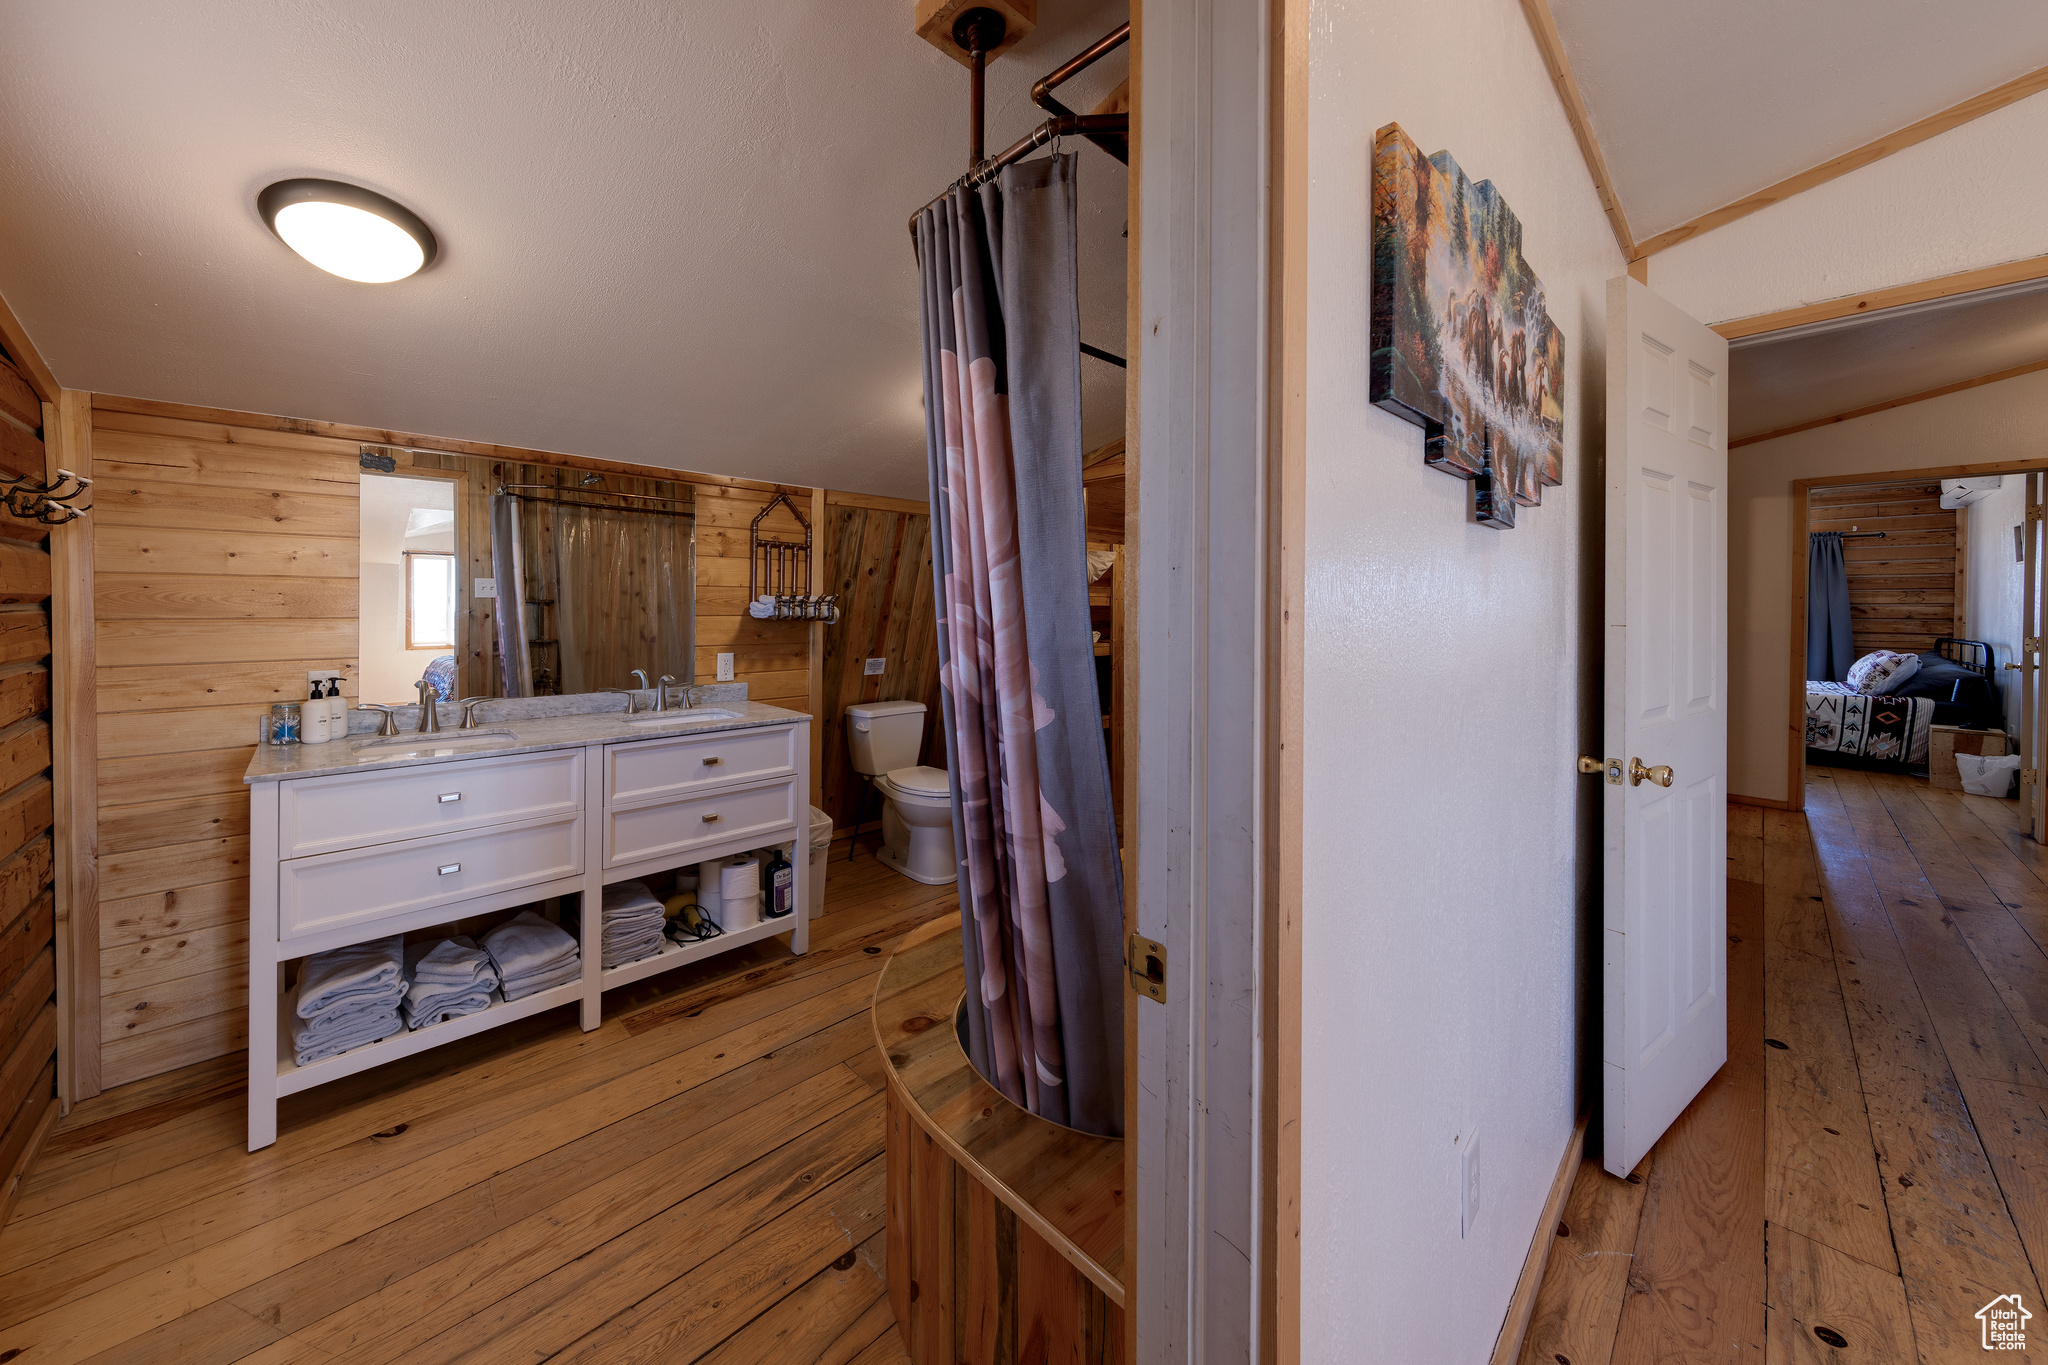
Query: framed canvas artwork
[(1462, 342)]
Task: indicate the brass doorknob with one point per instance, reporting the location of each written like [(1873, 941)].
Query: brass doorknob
[(2014, 667), (1660, 774)]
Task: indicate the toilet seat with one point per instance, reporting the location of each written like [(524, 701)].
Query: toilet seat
[(921, 781)]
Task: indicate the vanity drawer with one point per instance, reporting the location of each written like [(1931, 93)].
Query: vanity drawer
[(350, 810), (653, 768), (675, 829), (335, 890)]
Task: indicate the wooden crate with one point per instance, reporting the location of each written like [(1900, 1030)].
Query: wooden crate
[(1944, 742)]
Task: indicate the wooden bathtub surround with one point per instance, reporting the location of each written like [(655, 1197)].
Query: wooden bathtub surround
[(1006, 1232)]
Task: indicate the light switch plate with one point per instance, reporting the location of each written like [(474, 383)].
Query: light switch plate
[(485, 587), (874, 667), (725, 668)]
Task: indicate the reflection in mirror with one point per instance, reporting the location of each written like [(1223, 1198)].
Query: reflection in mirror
[(410, 596), (591, 585)]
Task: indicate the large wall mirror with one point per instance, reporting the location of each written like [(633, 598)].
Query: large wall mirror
[(500, 579)]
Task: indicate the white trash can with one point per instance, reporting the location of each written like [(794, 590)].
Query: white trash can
[(821, 856)]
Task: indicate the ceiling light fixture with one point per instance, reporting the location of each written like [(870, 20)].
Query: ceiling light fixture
[(347, 230)]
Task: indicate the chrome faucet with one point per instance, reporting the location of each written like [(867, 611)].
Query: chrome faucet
[(632, 697), (641, 674), (661, 693), (469, 705), (430, 715), (386, 723)]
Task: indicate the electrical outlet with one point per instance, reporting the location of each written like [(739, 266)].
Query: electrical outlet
[(725, 668), (874, 667), (1468, 1185), (485, 587)]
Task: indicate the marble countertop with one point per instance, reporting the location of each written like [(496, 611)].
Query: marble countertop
[(365, 752)]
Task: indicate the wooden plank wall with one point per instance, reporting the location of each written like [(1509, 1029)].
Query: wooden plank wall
[(879, 561), (225, 568), (772, 657), (28, 905), (1902, 589)]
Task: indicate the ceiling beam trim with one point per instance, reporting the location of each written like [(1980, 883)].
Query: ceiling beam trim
[(1935, 124), (1944, 286), (1959, 386), (1544, 26)]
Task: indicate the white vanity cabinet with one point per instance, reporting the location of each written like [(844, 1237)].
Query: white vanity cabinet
[(349, 853)]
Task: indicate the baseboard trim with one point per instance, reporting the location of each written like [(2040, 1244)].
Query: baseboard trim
[(27, 1159), (1763, 801), (1507, 1349)]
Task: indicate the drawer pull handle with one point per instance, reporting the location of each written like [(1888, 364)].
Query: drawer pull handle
[(447, 868), (710, 819), (713, 762), (446, 797)]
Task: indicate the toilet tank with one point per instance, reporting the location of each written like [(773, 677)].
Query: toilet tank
[(885, 735)]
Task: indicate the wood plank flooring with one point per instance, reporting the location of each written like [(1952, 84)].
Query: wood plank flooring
[(700, 1179), (1871, 1167)]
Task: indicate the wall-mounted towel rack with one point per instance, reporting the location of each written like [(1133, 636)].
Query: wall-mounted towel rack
[(779, 573), (50, 503)]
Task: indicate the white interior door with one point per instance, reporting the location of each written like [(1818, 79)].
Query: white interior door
[(1666, 833)]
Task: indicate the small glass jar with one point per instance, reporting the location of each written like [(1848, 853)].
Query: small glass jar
[(284, 722)]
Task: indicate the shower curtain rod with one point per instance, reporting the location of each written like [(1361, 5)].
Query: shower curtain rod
[(1860, 535), (506, 488)]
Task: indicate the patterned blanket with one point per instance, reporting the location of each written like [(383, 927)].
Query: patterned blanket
[(1841, 720)]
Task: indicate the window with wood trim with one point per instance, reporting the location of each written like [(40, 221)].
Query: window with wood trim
[(429, 599)]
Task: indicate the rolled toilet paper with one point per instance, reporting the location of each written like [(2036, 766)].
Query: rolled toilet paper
[(708, 899), (739, 891)]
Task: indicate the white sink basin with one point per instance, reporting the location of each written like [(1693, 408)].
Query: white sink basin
[(693, 715), (429, 746)]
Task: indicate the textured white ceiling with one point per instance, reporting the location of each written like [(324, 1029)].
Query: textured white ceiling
[(672, 231), (1694, 109), (1781, 379)]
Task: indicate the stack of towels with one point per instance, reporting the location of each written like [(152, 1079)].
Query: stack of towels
[(532, 955), (346, 998), (450, 978), (633, 921)]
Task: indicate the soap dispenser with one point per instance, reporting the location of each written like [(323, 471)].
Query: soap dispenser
[(313, 727)]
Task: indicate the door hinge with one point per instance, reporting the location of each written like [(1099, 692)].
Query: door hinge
[(2031, 645), (1147, 962), (2034, 513), (2028, 776)]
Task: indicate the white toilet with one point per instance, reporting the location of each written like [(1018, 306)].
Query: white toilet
[(917, 802)]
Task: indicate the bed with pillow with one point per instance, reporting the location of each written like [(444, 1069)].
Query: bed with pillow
[(1865, 722), (1880, 718)]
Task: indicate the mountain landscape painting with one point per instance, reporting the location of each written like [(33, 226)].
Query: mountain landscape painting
[(1462, 342)]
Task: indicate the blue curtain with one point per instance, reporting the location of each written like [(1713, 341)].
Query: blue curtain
[(1830, 642)]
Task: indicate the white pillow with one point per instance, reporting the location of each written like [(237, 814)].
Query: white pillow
[(1881, 668), (1907, 667)]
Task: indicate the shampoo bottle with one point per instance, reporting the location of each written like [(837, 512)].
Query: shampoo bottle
[(781, 879), (313, 715)]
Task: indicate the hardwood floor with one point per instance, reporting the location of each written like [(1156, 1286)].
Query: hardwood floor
[(1871, 1166), (700, 1179)]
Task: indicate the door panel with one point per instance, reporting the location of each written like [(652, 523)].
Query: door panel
[(1666, 959)]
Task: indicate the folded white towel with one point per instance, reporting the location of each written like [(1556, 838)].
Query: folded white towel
[(359, 972), (518, 988), (441, 1008), (525, 944), (450, 962), (337, 1031)]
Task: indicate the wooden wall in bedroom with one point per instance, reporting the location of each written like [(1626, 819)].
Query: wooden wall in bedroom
[(225, 567), (1903, 588)]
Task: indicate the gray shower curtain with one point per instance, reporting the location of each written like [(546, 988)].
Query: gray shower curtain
[(1830, 639), (1041, 889)]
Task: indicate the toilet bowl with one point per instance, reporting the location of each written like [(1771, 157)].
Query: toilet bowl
[(917, 825)]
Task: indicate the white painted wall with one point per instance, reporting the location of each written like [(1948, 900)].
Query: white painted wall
[(1997, 590), (1451, 679), (1997, 422), (1961, 201)]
